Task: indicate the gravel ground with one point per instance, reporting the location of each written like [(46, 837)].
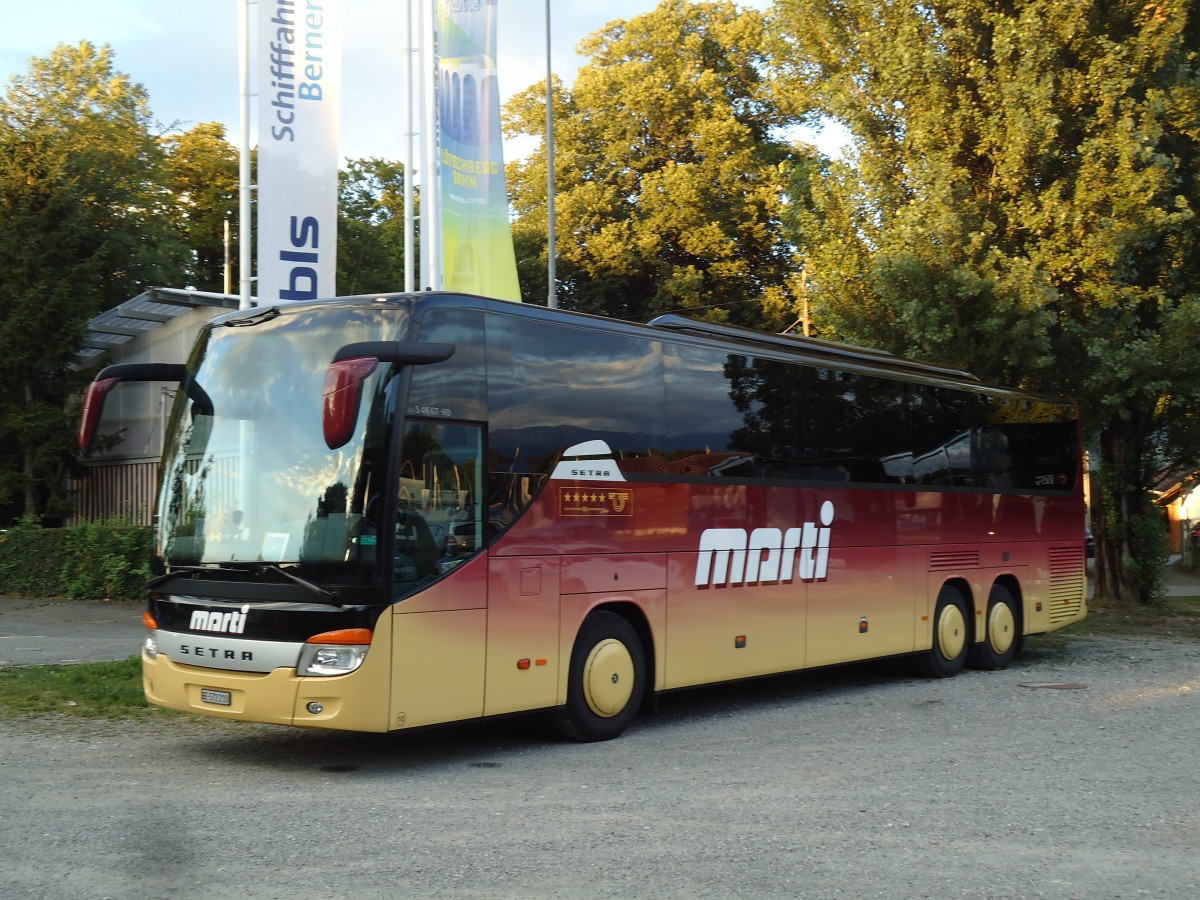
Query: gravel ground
[(1070, 775)]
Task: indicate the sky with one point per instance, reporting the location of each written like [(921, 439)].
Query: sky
[(184, 52)]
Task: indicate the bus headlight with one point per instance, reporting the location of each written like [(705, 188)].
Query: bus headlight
[(151, 645), (334, 652)]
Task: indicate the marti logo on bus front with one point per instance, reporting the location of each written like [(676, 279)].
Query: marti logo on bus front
[(730, 556), (221, 622)]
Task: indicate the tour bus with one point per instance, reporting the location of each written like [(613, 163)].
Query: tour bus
[(387, 512)]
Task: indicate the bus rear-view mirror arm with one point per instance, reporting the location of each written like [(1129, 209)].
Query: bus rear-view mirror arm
[(351, 366), (110, 376)]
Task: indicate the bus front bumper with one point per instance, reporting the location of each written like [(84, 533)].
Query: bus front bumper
[(279, 697)]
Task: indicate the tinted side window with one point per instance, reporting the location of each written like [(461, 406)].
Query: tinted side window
[(455, 388), (439, 511), (942, 420), (856, 428), (731, 415), (714, 411), (767, 393), (552, 386), (1027, 445)]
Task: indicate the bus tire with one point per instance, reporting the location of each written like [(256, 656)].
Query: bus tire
[(1002, 639), (951, 637), (606, 680)]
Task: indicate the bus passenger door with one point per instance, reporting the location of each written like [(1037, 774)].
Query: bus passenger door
[(438, 649), (522, 634), (439, 576)]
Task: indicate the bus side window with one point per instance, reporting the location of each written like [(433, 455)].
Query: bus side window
[(439, 520)]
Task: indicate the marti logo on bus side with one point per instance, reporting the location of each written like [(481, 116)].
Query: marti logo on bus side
[(731, 556), (728, 556)]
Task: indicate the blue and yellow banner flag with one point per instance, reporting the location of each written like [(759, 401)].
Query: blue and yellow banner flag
[(477, 244)]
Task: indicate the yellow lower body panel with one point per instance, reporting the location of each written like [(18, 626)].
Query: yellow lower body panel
[(345, 702)]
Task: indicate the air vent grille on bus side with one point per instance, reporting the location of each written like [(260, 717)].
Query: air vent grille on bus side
[(944, 560), (1067, 583)]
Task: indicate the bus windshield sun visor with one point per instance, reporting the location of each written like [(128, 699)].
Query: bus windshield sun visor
[(110, 376), (351, 366)]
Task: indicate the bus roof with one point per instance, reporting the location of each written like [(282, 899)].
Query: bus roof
[(812, 347), (747, 340)]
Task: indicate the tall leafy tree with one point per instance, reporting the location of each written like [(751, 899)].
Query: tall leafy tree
[(669, 171), (202, 176), (82, 227), (1021, 201), (370, 227)]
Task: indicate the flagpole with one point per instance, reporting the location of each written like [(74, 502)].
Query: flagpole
[(551, 243), (409, 93), (244, 225)]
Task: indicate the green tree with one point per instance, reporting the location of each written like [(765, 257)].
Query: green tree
[(1021, 202), (370, 227), (83, 226), (670, 172), (202, 176)]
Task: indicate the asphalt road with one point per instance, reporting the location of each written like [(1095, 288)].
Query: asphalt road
[(46, 632)]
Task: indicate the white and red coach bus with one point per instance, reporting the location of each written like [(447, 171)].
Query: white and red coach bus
[(381, 513)]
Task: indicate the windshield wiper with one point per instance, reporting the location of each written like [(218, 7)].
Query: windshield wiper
[(291, 576), (258, 318), (303, 582), (179, 570)]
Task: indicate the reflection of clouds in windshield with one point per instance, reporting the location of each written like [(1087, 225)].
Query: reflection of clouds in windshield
[(265, 463)]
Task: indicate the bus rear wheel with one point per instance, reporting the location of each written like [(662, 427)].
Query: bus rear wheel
[(951, 637), (606, 680), (1002, 641)]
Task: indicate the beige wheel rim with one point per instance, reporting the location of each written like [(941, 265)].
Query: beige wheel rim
[(608, 678), (1002, 628), (951, 632)]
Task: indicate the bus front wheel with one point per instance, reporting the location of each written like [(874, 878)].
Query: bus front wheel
[(951, 637), (606, 680), (1003, 639)]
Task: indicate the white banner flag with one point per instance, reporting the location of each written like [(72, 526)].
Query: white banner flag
[(299, 99)]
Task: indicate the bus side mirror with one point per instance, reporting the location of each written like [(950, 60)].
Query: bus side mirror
[(351, 366), (110, 376), (343, 395), (93, 406)]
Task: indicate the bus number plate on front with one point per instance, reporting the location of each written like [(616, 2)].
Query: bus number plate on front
[(220, 698)]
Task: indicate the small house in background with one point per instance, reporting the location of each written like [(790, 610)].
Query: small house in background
[(158, 325), (1178, 495)]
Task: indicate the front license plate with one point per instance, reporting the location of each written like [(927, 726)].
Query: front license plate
[(220, 698)]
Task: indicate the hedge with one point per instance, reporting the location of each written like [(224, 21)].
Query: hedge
[(107, 560)]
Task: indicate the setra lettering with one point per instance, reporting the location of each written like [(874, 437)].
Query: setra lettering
[(195, 650)]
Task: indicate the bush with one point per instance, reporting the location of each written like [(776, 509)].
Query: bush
[(107, 560)]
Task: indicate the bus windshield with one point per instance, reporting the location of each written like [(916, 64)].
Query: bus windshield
[(254, 482)]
